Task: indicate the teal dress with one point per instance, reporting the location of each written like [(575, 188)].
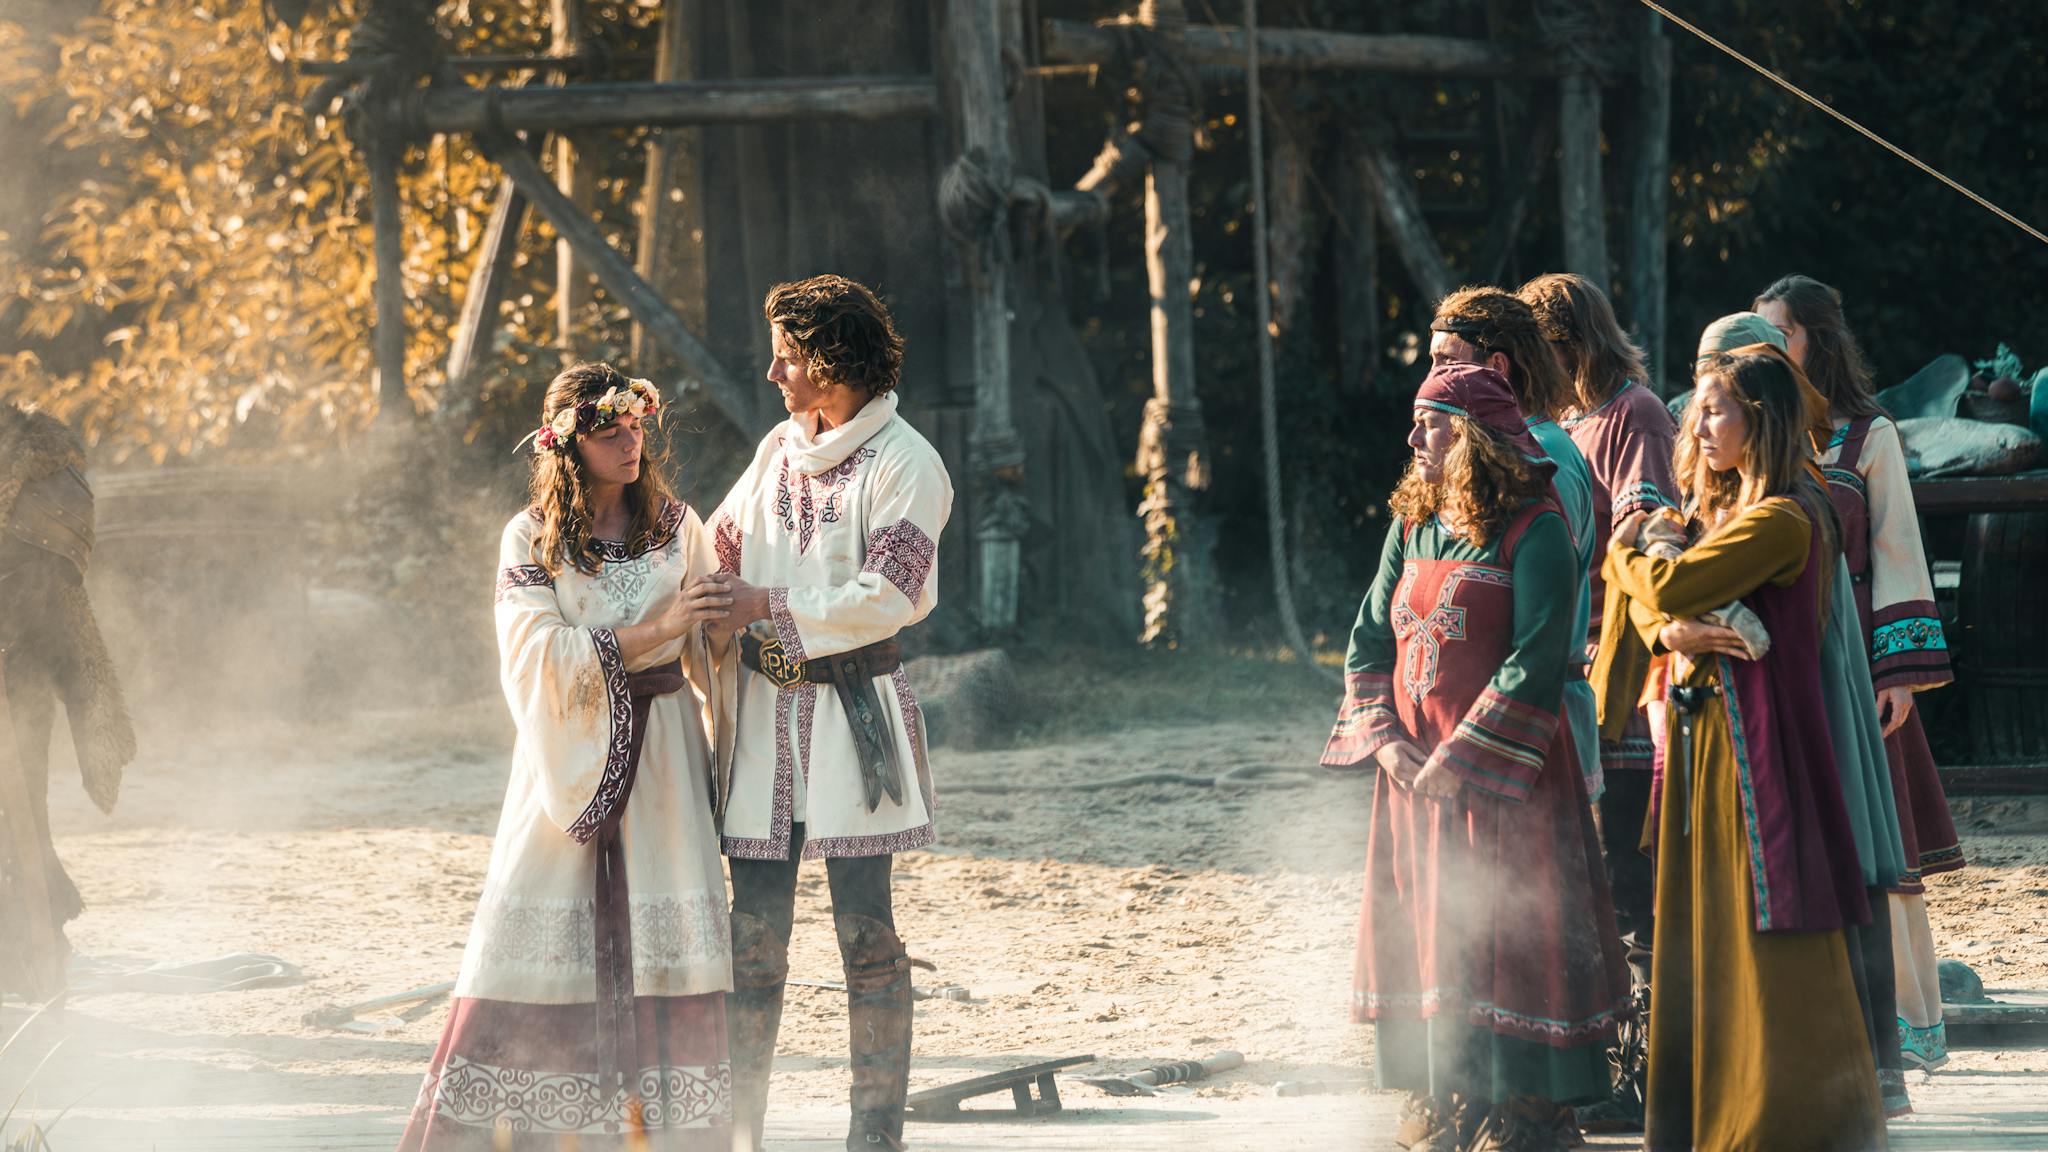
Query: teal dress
[(1574, 484)]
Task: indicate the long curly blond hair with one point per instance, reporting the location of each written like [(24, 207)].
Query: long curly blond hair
[(1486, 481), (560, 496)]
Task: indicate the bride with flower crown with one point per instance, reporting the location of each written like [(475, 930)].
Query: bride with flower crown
[(590, 1009)]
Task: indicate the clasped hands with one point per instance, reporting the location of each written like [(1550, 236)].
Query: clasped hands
[(720, 597), (1411, 770)]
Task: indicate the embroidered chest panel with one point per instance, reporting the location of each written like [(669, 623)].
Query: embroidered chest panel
[(805, 503), (1444, 602)]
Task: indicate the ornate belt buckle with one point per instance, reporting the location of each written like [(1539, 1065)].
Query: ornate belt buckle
[(777, 666)]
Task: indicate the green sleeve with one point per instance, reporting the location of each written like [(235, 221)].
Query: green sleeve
[(1368, 719), (1372, 635)]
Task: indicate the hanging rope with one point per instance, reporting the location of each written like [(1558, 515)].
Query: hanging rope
[(1269, 414), (1887, 145)]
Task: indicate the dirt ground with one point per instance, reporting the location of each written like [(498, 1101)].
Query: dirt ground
[(1132, 924)]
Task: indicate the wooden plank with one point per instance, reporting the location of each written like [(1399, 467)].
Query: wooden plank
[(471, 343), (1953, 495), (556, 109), (568, 37), (671, 250), (2025, 778), (2015, 1016), (1401, 211), (1305, 49), (622, 281)]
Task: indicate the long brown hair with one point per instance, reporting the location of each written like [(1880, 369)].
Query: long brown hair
[(1496, 320), (1774, 457), (560, 497), (1486, 481), (1834, 360), (1578, 318)]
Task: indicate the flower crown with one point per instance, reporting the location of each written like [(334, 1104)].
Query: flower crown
[(637, 398)]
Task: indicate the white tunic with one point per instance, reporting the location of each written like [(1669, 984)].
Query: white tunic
[(844, 527), (533, 938)]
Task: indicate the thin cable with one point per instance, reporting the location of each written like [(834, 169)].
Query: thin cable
[(1269, 416), (1894, 149)]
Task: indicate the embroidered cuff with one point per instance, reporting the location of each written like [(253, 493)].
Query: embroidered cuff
[(618, 745), (903, 555), (1907, 647), (1499, 746), (1366, 721), (725, 541), (523, 576), (1644, 496)]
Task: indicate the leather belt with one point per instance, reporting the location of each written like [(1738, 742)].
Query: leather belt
[(852, 674), (1689, 701)]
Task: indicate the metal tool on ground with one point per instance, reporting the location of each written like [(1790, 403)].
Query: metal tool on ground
[(1158, 1076), (943, 1103), (350, 1017)]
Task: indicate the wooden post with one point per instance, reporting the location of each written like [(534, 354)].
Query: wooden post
[(1650, 195), (1302, 49), (974, 37), (388, 239), (1358, 257), (1180, 595), (577, 182), (1580, 201), (1402, 212), (671, 250), (654, 105), (470, 347), (621, 280)]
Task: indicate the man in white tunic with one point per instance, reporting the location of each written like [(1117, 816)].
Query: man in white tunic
[(832, 535)]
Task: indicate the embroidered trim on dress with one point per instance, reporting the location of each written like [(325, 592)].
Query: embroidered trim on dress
[(522, 576), (665, 525), (558, 936), (808, 501), (1429, 1003), (1643, 495), (524, 1100), (913, 731), (881, 845), (1445, 621), (903, 555), (619, 748), (1908, 634), (1759, 883)]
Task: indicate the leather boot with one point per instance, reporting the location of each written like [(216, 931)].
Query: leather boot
[(753, 1015), (878, 1012)]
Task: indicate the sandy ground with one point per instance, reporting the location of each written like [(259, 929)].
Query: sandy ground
[(1132, 924)]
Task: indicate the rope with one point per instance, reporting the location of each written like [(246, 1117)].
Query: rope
[(1887, 145), (1269, 418), (970, 200)]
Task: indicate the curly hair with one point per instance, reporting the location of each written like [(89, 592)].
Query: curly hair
[(1834, 360), (1578, 318), (1486, 481), (560, 497), (1496, 320), (842, 331)]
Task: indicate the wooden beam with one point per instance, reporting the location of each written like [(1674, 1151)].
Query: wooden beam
[(1071, 208), (1304, 49), (553, 109), (670, 254), (575, 178), (388, 246), (1650, 192), (1958, 495), (700, 367), (360, 67), (470, 347), (1580, 198), (1994, 779), (1181, 607), (1401, 212), (974, 43)]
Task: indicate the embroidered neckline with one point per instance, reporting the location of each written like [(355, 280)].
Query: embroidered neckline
[(1573, 421), (619, 551)]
